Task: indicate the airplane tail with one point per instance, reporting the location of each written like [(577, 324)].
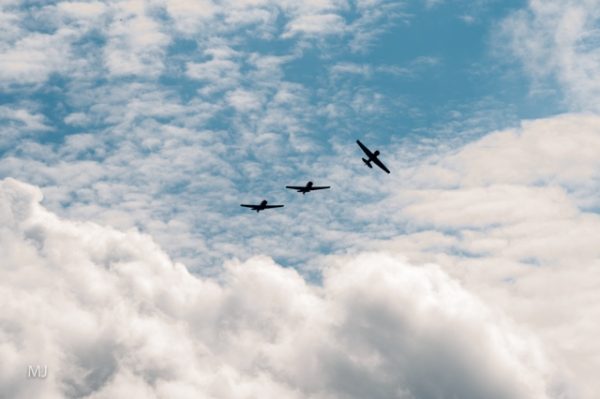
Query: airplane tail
[(368, 163)]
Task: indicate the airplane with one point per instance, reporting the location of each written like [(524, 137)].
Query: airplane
[(373, 157), (309, 187), (261, 207)]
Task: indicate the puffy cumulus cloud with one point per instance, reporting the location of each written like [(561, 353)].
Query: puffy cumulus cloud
[(559, 39), (112, 316), (514, 217)]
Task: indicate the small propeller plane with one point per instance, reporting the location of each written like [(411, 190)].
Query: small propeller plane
[(373, 157), (309, 187), (261, 207)]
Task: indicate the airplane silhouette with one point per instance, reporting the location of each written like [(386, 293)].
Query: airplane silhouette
[(373, 157), (261, 207), (309, 187)]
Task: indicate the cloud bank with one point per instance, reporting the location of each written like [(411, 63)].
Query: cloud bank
[(514, 217), (112, 316)]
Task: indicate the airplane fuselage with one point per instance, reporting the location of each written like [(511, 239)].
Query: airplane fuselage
[(373, 157), (261, 207), (307, 188)]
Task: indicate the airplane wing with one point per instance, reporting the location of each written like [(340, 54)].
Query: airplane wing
[(364, 148), (273, 206), (295, 187), (249, 206), (319, 187), (380, 164)]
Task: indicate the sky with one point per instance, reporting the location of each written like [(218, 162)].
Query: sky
[(131, 131)]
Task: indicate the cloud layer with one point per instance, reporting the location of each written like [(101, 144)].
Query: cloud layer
[(111, 316)]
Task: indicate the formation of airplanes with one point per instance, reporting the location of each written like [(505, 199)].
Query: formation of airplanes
[(372, 158)]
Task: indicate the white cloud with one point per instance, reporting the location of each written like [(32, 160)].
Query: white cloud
[(77, 119), (32, 58), (351, 68), (375, 17), (29, 121), (489, 206), (551, 151), (316, 25), (82, 10), (243, 100), (468, 19), (368, 71), (512, 216), (136, 46), (18, 122), (190, 15), (559, 39), (433, 3), (112, 316), (218, 74)]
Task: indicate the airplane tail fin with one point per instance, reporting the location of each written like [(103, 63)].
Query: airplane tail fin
[(368, 163)]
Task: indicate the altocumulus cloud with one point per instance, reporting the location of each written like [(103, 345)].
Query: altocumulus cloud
[(112, 316)]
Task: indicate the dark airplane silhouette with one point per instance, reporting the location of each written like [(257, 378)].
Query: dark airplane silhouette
[(372, 157), (309, 187), (261, 207)]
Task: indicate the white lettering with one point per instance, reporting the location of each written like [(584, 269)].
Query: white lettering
[(37, 371)]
